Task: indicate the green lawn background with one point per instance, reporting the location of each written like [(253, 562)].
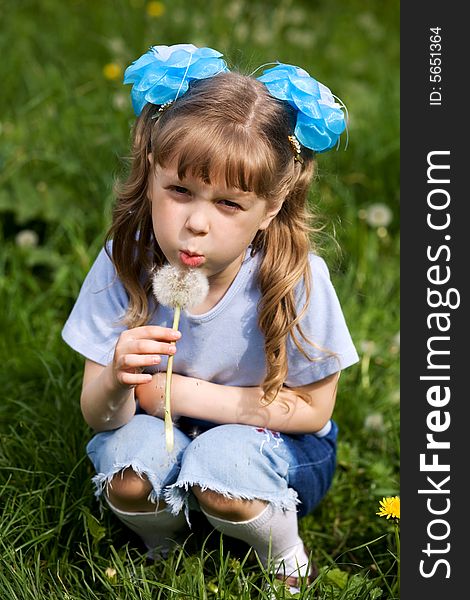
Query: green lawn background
[(64, 133)]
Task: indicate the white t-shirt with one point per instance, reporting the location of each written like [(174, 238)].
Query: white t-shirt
[(224, 345)]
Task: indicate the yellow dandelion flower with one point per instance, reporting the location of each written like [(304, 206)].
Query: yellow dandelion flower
[(155, 9), (390, 507), (112, 71)]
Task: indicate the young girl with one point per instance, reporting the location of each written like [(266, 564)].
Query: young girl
[(221, 167)]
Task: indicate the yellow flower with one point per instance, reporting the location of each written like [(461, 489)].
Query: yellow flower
[(390, 507), (112, 71), (155, 9)]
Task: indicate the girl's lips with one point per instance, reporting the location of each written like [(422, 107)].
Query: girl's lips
[(191, 260)]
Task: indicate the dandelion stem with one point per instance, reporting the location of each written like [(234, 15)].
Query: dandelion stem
[(397, 543), (169, 436)]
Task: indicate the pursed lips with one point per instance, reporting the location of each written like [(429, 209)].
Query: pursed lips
[(191, 259)]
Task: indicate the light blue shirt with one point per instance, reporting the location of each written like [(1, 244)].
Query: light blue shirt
[(224, 345)]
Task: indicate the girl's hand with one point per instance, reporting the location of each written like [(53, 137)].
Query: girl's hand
[(138, 348)]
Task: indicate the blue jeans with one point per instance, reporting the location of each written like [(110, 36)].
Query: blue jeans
[(238, 461)]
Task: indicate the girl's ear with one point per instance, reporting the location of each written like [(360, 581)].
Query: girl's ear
[(150, 158), (270, 215)]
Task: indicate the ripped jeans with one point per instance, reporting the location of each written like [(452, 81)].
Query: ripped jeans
[(237, 461)]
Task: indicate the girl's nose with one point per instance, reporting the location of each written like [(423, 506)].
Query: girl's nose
[(197, 221)]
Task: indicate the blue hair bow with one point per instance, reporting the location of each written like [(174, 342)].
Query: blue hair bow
[(320, 120), (164, 72)]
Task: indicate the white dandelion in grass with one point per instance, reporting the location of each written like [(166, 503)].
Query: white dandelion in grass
[(379, 215), (374, 422), (27, 238), (178, 289)]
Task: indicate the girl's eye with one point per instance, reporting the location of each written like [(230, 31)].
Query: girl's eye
[(233, 206), (179, 189)]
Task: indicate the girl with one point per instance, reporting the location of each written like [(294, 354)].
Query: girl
[(221, 167)]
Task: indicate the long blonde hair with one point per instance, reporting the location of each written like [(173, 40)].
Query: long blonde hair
[(226, 129)]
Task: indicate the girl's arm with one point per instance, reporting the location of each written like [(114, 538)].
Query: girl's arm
[(107, 400), (200, 399), (104, 404)]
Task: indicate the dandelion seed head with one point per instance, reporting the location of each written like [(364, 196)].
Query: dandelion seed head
[(27, 238), (382, 232), (379, 215), (368, 347), (179, 287), (374, 422), (120, 101), (117, 45)]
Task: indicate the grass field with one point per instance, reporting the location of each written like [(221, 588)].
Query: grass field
[(64, 129)]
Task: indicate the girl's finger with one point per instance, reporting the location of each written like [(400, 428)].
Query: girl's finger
[(133, 379), (155, 332), (135, 361), (145, 346)]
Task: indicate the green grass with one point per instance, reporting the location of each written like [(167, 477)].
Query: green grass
[(64, 130)]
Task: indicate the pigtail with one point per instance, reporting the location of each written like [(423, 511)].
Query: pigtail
[(285, 247), (134, 252)]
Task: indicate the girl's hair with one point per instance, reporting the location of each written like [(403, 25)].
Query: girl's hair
[(230, 130)]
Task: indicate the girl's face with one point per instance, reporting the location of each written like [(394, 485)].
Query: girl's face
[(204, 226)]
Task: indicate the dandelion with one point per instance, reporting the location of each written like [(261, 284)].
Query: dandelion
[(117, 46), (178, 289), (368, 347), (390, 508), (120, 101), (155, 9), (379, 215), (374, 422), (395, 345), (396, 339), (382, 232), (112, 71), (27, 238)]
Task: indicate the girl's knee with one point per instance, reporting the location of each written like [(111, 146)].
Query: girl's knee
[(209, 499), (130, 491), (127, 484), (225, 507)]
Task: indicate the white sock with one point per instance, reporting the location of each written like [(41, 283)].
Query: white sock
[(273, 529), (156, 529)]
